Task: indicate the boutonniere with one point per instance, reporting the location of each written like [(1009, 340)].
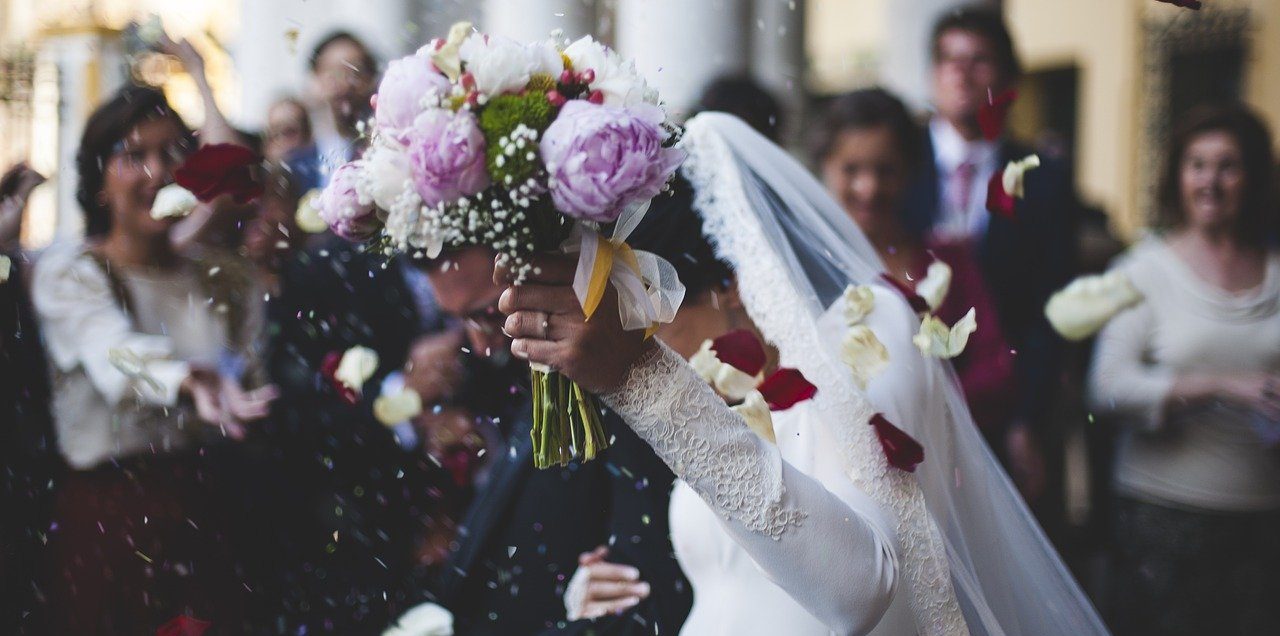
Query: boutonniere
[(733, 365), (1007, 185)]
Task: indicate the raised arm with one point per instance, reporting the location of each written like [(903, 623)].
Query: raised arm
[(820, 539)]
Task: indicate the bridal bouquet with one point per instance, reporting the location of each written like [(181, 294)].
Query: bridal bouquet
[(523, 148)]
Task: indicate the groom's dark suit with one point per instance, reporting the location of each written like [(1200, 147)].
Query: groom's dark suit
[(1024, 260), (519, 543)]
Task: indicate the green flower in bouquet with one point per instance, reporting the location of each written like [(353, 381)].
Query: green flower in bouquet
[(511, 125)]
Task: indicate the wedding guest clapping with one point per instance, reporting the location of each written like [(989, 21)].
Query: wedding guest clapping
[(147, 348), (1193, 372)]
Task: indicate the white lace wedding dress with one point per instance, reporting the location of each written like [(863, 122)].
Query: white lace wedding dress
[(819, 534), (824, 559)]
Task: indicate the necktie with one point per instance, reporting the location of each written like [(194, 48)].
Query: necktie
[(961, 192)]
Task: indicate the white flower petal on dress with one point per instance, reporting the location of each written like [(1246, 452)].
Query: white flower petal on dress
[(936, 283), (394, 408), (935, 340), (173, 201), (427, 619), (755, 411), (1082, 308), (6, 266), (1015, 173), (859, 302), (356, 367), (864, 353), (133, 365)]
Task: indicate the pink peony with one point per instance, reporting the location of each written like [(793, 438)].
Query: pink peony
[(603, 158), (340, 206), (406, 83), (446, 156)]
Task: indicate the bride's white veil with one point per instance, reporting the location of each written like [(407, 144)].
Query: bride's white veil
[(794, 251)]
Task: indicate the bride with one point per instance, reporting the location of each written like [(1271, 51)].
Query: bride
[(815, 533)]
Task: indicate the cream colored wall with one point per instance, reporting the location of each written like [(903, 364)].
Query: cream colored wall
[(843, 39), (1101, 38), (1104, 39)]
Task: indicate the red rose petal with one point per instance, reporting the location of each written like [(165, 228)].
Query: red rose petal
[(992, 115), (1194, 5), (328, 367), (184, 626), (903, 452), (218, 169), (740, 349), (999, 202), (917, 302), (785, 388)]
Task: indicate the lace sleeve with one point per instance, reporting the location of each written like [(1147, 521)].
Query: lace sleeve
[(832, 552)]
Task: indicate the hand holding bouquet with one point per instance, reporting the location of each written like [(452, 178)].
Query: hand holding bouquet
[(521, 148)]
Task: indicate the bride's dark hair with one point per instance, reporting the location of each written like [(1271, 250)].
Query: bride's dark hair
[(672, 229)]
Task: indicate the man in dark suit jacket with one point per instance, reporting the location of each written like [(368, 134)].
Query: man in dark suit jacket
[(520, 541), (349, 497), (1025, 258)]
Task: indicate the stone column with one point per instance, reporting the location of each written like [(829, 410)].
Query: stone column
[(680, 45), (90, 66), (530, 20), (777, 55)]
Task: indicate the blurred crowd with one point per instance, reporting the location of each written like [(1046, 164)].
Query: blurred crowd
[(170, 444)]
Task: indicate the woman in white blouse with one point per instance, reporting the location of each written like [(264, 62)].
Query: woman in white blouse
[(147, 349), (1194, 373)]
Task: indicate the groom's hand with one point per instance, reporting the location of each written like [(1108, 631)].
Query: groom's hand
[(547, 326)]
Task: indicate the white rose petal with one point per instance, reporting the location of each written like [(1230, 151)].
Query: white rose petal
[(755, 411), (6, 267), (173, 200), (859, 301), (1015, 172), (397, 407), (864, 353), (427, 619), (705, 362), (1083, 307), (935, 340), (446, 57), (734, 384), (936, 283), (308, 215), (356, 367)]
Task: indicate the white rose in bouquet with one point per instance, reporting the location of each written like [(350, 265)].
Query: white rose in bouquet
[(615, 78), (501, 65), (385, 174)]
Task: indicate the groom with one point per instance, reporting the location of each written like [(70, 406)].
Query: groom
[(520, 541)]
